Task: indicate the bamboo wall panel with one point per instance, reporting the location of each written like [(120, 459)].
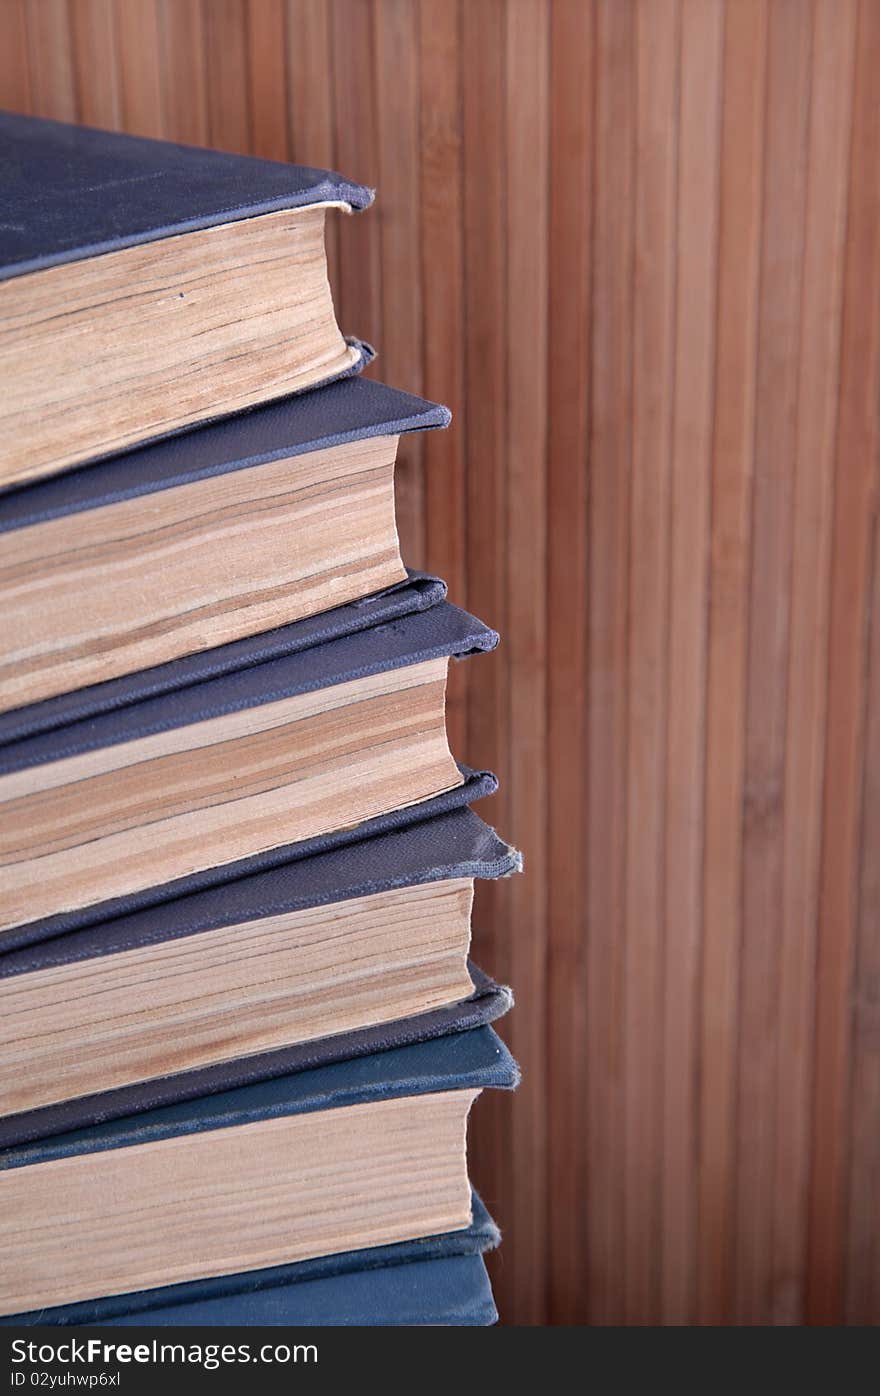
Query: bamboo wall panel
[(635, 245)]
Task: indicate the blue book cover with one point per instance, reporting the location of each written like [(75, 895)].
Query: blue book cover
[(186, 284)]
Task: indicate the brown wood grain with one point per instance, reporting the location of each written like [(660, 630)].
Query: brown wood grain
[(441, 270), (226, 69), (309, 106), (693, 403), (607, 640), (657, 98), (862, 1279), (15, 74), (635, 245), (824, 245), (50, 59), (483, 86), (183, 70), (568, 427), (740, 210), (267, 81), (138, 46), (526, 114), (778, 347), (351, 34), (399, 175), (855, 505), (97, 74)]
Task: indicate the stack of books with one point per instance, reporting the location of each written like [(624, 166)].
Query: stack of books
[(239, 1032)]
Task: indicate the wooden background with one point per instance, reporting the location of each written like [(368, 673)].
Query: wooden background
[(636, 247)]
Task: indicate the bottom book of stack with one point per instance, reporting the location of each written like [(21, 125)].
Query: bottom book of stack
[(332, 1195)]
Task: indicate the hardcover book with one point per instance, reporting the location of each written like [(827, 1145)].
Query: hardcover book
[(419, 592), (308, 1287), (486, 1002), (213, 989), (146, 287), (227, 769), (229, 531), (353, 1155)]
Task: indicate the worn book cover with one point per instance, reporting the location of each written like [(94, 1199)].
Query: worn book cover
[(146, 287)]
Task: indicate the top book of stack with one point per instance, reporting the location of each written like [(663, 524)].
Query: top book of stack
[(144, 289), (147, 287)]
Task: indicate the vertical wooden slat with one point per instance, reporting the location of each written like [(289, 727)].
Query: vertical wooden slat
[(397, 135), (527, 113), (442, 329), (50, 59), (817, 369), (93, 31), (656, 103), (226, 67), (858, 437), (741, 180), (311, 139), (184, 83), (15, 74), (140, 82), (863, 1259), (610, 465), (267, 86), (571, 222), (355, 102), (788, 54), (310, 103), (483, 69), (689, 543)]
